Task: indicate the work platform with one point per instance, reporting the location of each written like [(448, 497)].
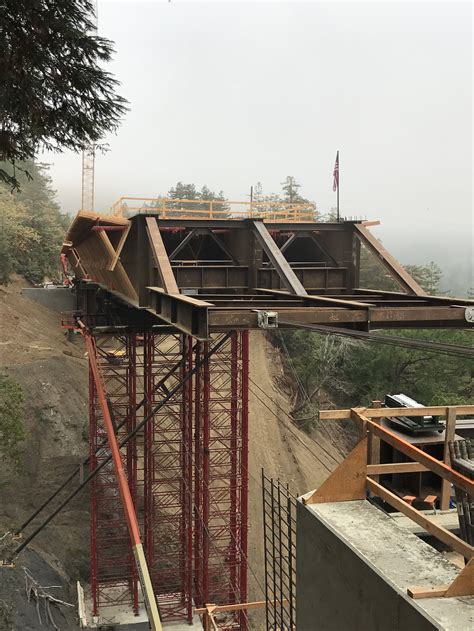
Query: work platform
[(203, 275)]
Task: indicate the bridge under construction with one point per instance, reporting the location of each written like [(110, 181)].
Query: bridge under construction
[(166, 293)]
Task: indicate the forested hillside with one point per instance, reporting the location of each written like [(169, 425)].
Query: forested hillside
[(346, 372), (32, 226)]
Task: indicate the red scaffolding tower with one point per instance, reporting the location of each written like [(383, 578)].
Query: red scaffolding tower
[(113, 572), (187, 472)]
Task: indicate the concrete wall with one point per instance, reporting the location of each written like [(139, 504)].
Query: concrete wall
[(338, 590), (59, 299)]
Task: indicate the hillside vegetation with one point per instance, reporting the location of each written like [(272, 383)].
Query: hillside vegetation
[(32, 226), (348, 372)]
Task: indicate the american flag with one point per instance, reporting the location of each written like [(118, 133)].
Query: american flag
[(335, 182)]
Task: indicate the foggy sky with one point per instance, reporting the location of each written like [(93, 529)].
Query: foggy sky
[(227, 94)]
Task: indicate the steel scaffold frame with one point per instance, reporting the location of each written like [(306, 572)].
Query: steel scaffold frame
[(114, 579), (168, 475), (187, 473), (221, 478)]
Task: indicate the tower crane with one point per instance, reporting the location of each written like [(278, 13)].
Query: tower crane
[(88, 154)]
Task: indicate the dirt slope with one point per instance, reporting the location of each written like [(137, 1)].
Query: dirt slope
[(53, 373), (279, 447)]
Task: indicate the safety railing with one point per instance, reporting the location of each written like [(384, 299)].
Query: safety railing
[(168, 208)]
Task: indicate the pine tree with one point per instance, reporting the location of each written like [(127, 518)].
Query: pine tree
[(55, 93), (32, 226)]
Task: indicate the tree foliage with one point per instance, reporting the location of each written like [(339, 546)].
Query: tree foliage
[(290, 188), (427, 276), (16, 236), (54, 93), (31, 226), (189, 191), (355, 372), (11, 417), (373, 274), (289, 193)]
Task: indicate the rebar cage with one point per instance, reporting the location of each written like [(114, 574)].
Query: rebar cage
[(279, 536)]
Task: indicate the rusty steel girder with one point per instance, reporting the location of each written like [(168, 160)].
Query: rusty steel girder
[(201, 276)]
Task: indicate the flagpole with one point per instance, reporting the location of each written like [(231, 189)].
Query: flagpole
[(338, 183)]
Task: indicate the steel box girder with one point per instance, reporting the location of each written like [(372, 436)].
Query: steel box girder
[(260, 266), (220, 312), (183, 312), (372, 318)]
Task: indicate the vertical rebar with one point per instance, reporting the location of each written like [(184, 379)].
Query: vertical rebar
[(290, 555)]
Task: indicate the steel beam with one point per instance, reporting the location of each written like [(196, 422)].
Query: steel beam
[(279, 262), (187, 314), (160, 256), (183, 243)]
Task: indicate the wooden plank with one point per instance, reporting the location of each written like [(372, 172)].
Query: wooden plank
[(434, 465), (161, 257), (374, 443), (123, 284), (279, 262), (441, 533), (121, 243), (450, 431), (334, 415), (347, 482), (213, 621), (427, 592), (81, 607), (463, 584), (257, 604), (395, 467), (433, 410), (389, 262)]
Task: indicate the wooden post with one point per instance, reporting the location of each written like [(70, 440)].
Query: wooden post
[(205, 620), (374, 443), (450, 431)]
